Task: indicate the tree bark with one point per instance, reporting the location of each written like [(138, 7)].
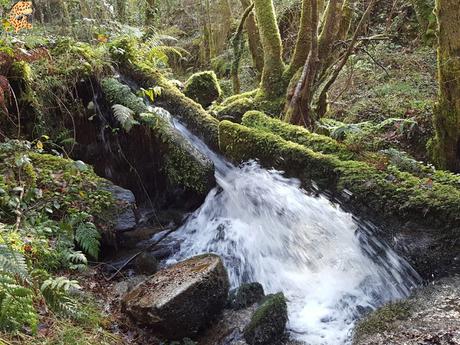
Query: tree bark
[(255, 46), (446, 144), (298, 107), (271, 85), (303, 43)]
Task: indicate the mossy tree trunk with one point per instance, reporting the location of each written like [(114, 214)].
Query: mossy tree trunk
[(255, 46), (271, 85), (303, 43), (446, 145), (426, 18)]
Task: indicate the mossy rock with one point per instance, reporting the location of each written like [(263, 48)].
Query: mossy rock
[(268, 324), (203, 88), (235, 110), (382, 319), (246, 295)]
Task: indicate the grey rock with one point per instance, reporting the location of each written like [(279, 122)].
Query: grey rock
[(126, 218), (431, 316), (246, 295), (268, 324), (179, 301), (146, 263)]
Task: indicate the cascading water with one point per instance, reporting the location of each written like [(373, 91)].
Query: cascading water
[(267, 229)]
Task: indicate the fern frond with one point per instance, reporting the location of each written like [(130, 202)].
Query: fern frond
[(124, 115), (13, 263), (56, 291), (87, 236)]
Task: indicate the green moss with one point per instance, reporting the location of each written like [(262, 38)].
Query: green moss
[(296, 134), (248, 95), (183, 165), (191, 113), (382, 319), (203, 88), (267, 325), (389, 192), (235, 110), (118, 93)]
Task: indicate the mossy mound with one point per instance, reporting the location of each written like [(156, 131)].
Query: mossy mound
[(203, 88), (246, 295), (235, 110), (268, 324), (389, 192)]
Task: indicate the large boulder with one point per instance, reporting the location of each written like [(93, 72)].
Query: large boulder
[(431, 316), (181, 300), (268, 324), (203, 88)]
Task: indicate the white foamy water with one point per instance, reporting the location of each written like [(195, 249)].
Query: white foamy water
[(267, 229)]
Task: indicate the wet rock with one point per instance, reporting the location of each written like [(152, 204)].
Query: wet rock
[(268, 324), (431, 316), (126, 201), (246, 295), (181, 300), (146, 263), (124, 286)]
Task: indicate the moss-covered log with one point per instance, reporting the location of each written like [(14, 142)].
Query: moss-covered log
[(172, 99), (389, 192), (183, 164), (296, 134), (446, 145)]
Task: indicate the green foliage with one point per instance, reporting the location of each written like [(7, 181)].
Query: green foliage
[(45, 204), (124, 115)]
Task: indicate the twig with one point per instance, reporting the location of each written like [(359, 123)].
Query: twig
[(376, 62), (139, 253)]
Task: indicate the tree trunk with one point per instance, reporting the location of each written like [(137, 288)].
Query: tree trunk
[(303, 43), (298, 110), (271, 85), (255, 47), (425, 18), (446, 144)]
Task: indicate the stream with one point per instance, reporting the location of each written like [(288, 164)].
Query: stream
[(268, 229)]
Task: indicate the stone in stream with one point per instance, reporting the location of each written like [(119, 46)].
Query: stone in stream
[(181, 300), (246, 295), (268, 324), (146, 263)]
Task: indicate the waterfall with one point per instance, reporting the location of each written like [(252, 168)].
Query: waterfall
[(268, 229)]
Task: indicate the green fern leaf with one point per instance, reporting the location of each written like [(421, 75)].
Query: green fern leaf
[(87, 236)]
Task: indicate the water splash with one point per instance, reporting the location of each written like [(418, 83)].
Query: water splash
[(267, 229)]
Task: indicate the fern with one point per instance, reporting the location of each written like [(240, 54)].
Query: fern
[(87, 236), (13, 263), (56, 291), (125, 116)]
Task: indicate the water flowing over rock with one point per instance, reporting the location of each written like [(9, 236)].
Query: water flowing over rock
[(179, 301), (329, 265)]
